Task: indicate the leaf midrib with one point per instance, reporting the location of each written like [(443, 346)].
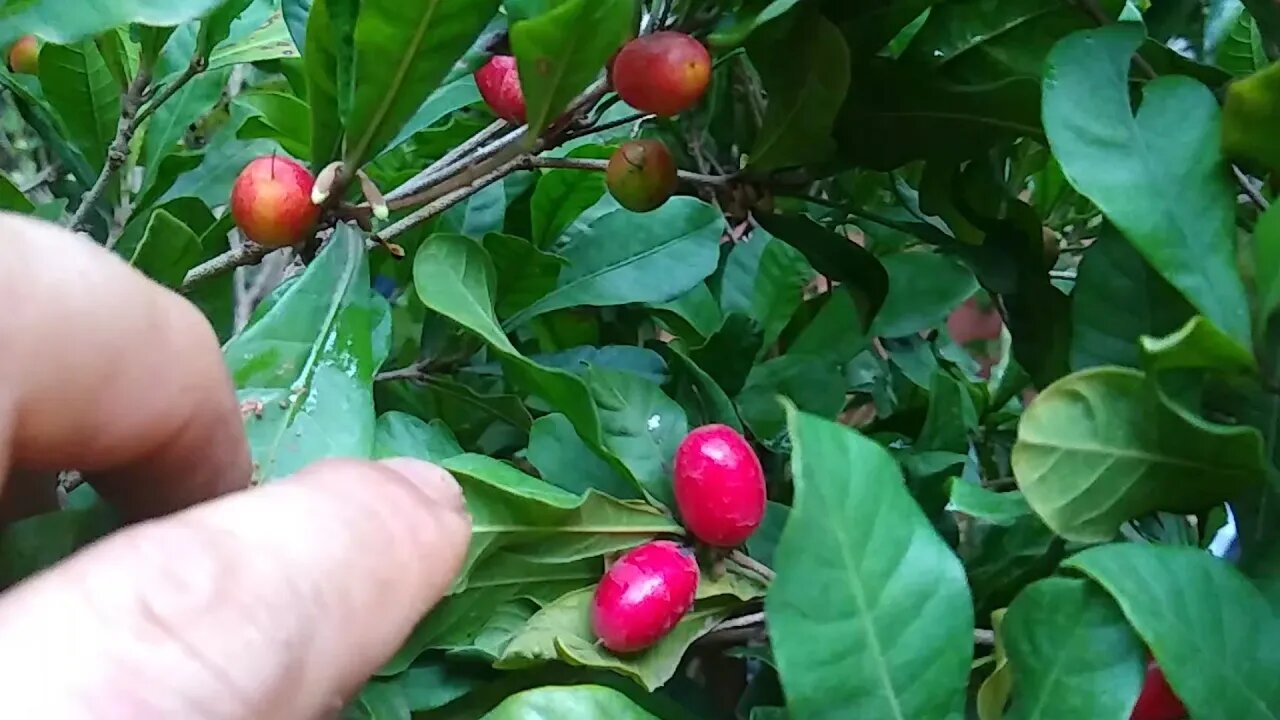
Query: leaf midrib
[(1118, 453), (997, 32)]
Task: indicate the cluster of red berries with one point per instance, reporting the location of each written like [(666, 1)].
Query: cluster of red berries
[(720, 494)]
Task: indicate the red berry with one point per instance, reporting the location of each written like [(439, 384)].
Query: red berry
[(719, 486), (1157, 701), (664, 73), (271, 201), (643, 595), (499, 84), (24, 55)]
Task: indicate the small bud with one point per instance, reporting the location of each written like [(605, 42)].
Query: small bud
[(324, 182), (374, 196)]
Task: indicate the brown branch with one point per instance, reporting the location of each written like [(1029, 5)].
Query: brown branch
[(247, 254), (602, 165), (416, 371), (747, 562)]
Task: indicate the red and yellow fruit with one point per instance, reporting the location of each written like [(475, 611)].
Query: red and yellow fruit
[(24, 55), (664, 73), (643, 595), (271, 202), (641, 175), (719, 485), (499, 84), (1157, 701)]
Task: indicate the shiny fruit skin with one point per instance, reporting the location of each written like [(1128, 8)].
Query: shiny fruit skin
[(271, 202), (499, 83), (641, 175), (1157, 701), (664, 73), (643, 595), (24, 55), (719, 486)]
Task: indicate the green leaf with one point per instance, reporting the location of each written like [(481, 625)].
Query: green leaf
[(79, 86), (168, 249), (454, 277), (951, 416), (32, 544), (119, 53), (765, 279), (402, 53), (764, 543), (326, 37), (1252, 100), (11, 197), (814, 385), (399, 434), (1158, 176), (304, 369), (868, 618), (898, 112), (563, 459), (216, 26), (296, 13), (562, 631), (169, 123), (270, 41), (1164, 591), (1241, 51), (581, 702), (1118, 298), (693, 317), (1267, 16), (805, 73), (222, 160), (562, 195), (975, 41), (445, 100), (704, 401), (1003, 508), (50, 19), (642, 427), (1073, 653), (627, 257), (1098, 448), (923, 290), (280, 117), (1266, 260), (557, 60)]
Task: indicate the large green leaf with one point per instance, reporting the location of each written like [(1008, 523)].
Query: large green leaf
[(1210, 630), (79, 86), (1099, 447), (981, 41), (454, 277), (557, 57), (642, 426), (812, 384), (12, 198), (765, 279), (1072, 652), (305, 367), (402, 52), (278, 116), (1158, 176), (446, 99), (524, 272), (627, 257), (219, 165), (52, 20), (269, 41), (1118, 298), (805, 72), (564, 460), (834, 256), (923, 290), (869, 617), (581, 702), (399, 434), (325, 40), (562, 631), (563, 195), (167, 250)]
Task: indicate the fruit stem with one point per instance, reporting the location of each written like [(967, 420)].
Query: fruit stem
[(754, 566), (602, 165)]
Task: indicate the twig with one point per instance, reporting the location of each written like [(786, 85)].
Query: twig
[(195, 67), (42, 177), (451, 198), (755, 566), (602, 165), (247, 254), (1249, 190), (984, 637), (117, 152), (455, 175), (438, 168), (741, 622), (416, 371), (592, 130)]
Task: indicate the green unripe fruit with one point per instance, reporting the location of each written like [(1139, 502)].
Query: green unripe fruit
[(641, 175)]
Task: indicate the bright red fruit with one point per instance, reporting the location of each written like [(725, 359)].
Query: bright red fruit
[(664, 73), (1157, 701), (499, 84), (643, 595), (719, 486), (271, 202)]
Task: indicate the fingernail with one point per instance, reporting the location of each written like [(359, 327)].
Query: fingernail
[(429, 477)]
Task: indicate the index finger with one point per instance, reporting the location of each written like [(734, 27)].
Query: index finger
[(105, 371)]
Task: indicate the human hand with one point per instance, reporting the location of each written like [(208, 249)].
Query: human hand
[(220, 602)]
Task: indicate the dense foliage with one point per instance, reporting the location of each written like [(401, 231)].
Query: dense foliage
[(991, 288)]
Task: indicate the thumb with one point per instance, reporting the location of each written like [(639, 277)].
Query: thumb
[(276, 602)]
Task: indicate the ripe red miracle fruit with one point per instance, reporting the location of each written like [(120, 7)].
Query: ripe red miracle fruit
[(664, 73), (499, 84), (1157, 701), (643, 595), (719, 486), (271, 201)]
